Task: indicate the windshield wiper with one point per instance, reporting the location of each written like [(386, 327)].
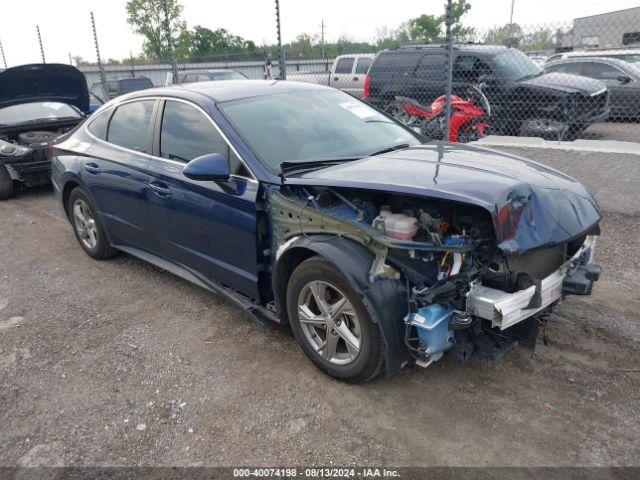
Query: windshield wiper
[(313, 164), (400, 146)]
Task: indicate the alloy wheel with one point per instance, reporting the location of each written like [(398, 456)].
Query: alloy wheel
[(85, 224), (329, 322)]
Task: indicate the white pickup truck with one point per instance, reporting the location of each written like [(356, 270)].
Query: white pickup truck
[(347, 73)]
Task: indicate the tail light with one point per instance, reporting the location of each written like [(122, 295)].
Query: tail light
[(367, 86)]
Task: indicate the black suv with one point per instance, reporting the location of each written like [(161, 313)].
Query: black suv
[(524, 99)]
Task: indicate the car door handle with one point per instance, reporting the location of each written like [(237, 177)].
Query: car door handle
[(161, 189), (355, 79), (92, 168), (335, 79)]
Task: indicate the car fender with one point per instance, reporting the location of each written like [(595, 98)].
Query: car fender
[(385, 299)]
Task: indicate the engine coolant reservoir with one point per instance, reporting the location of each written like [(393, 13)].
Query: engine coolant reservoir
[(396, 225)]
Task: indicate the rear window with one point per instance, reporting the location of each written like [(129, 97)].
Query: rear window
[(344, 65), (129, 125), (396, 61), (363, 65), (99, 124)]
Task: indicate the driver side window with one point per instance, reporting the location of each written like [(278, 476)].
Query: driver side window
[(186, 133), (467, 69)]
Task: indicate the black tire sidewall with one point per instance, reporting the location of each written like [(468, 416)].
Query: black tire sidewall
[(6, 183), (102, 249), (370, 358)]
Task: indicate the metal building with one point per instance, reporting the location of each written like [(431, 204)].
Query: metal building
[(608, 30)]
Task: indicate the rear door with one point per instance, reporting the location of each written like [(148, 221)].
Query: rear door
[(361, 68), (342, 75), (623, 96), (428, 79), (207, 227), (115, 172)]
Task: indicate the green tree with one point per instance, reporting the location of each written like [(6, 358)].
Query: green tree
[(431, 28), (148, 19), (509, 35)]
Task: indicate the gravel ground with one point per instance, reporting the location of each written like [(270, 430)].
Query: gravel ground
[(118, 363)]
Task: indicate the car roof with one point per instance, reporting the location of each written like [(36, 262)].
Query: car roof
[(460, 47), (584, 59), (227, 90), (209, 70)]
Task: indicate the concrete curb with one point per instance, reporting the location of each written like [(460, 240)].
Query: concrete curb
[(598, 146)]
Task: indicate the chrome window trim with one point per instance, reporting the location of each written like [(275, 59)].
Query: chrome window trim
[(174, 162)]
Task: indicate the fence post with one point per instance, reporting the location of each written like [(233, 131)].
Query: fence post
[(283, 60), (4, 60), (40, 43), (103, 75), (449, 60), (167, 27)]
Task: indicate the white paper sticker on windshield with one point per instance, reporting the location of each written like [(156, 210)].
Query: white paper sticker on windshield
[(360, 110)]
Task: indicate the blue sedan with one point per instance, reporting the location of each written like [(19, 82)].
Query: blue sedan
[(307, 206)]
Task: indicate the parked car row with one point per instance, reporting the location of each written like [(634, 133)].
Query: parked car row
[(307, 206)]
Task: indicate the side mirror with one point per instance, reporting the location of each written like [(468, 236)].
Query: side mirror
[(488, 80), (211, 167), (624, 79)]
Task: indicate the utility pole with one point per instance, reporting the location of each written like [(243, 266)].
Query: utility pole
[(282, 61), (322, 37), (70, 59), (172, 57), (103, 75), (511, 24), (449, 62), (4, 60), (40, 43)]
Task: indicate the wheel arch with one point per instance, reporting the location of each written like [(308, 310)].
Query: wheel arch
[(386, 299)]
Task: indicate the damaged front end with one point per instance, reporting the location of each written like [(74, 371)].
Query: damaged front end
[(471, 281)]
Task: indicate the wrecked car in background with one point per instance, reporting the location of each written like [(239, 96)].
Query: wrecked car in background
[(38, 103), (307, 206)]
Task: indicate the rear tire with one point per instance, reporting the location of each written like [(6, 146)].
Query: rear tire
[(337, 334), (6, 183), (88, 227)]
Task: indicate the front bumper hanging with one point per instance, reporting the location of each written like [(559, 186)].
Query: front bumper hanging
[(574, 277)]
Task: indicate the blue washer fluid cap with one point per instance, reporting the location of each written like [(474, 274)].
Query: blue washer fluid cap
[(432, 324)]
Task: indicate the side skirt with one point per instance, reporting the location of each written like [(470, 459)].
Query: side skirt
[(256, 312)]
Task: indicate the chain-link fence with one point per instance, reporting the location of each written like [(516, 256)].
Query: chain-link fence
[(579, 79)]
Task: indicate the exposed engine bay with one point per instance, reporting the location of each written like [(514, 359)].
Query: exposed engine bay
[(464, 293), (24, 153)]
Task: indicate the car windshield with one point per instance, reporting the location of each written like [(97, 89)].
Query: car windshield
[(27, 112), (515, 65), (313, 125), (226, 76)]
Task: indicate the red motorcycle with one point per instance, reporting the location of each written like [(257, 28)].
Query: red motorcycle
[(469, 116)]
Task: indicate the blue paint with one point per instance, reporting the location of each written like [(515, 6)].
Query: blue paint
[(432, 325)]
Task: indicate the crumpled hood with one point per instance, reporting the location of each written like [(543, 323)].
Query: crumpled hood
[(531, 205), (566, 83), (44, 82)]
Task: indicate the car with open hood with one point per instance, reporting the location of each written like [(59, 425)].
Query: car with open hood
[(304, 205), (38, 103)]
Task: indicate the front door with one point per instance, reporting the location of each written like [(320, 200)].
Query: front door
[(207, 227)]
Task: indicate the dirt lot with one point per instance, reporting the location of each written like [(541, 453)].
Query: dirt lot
[(119, 363)]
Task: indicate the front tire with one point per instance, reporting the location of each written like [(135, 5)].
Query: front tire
[(88, 227), (6, 183), (331, 324)]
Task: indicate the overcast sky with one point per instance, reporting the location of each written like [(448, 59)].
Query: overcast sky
[(65, 24)]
